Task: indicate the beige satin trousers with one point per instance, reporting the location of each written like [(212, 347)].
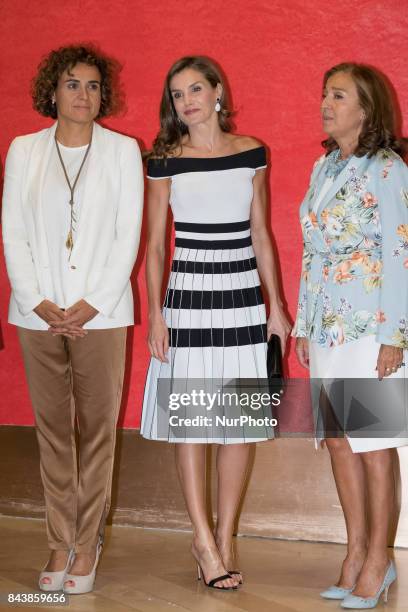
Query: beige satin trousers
[(75, 382)]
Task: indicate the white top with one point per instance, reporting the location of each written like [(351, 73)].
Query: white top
[(57, 215)]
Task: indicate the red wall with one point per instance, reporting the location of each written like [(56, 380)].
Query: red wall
[(274, 53)]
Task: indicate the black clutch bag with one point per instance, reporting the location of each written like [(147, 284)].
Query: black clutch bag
[(274, 364)]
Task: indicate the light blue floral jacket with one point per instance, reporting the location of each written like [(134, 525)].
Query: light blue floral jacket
[(354, 278)]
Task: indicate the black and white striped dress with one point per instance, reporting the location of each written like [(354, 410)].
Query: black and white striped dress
[(213, 306)]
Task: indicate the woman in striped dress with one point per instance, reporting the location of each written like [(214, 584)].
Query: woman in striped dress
[(212, 328)]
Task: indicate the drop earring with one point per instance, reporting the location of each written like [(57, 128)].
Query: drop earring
[(217, 106)]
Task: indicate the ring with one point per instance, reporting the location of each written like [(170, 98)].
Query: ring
[(388, 369)]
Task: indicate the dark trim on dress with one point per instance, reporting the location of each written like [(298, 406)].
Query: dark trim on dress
[(230, 336), (213, 267), (170, 166), (238, 243), (212, 228), (202, 300)]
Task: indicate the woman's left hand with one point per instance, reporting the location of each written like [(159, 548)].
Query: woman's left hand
[(75, 317), (390, 358), (278, 324)]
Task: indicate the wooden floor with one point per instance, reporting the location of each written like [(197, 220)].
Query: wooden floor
[(153, 571)]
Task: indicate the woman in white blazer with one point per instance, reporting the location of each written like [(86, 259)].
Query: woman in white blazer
[(72, 209)]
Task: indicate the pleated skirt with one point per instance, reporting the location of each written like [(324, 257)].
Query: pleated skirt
[(216, 318)]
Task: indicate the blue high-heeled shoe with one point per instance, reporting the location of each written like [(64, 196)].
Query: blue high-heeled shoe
[(335, 592), (353, 602)]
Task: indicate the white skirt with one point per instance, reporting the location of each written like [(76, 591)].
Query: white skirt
[(355, 359)]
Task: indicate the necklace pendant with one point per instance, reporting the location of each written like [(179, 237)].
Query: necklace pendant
[(69, 242)]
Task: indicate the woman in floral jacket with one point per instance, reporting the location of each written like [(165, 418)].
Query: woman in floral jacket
[(352, 316)]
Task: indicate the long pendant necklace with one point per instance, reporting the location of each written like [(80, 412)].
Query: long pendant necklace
[(69, 243)]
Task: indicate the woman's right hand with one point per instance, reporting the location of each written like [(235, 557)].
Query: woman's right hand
[(50, 312), (158, 338), (302, 351)]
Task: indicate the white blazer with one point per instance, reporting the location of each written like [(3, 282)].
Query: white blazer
[(108, 234)]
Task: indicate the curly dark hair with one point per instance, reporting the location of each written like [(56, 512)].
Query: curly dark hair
[(171, 129), (376, 99), (65, 58)]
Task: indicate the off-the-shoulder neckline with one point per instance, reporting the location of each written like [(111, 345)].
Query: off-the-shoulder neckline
[(218, 157)]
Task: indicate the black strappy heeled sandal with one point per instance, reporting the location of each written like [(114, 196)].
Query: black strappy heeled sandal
[(235, 573), (211, 584)]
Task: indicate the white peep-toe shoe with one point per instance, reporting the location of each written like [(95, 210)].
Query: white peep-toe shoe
[(56, 579), (82, 584)]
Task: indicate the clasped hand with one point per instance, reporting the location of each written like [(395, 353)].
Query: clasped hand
[(68, 322), (278, 324)]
